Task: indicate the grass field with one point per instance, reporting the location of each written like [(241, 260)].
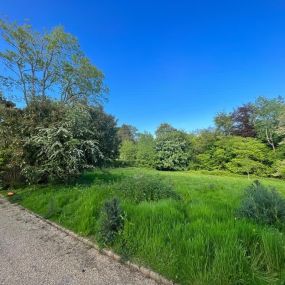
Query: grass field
[(195, 240)]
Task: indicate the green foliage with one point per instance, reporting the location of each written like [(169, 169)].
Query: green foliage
[(240, 122), (281, 126), (128, 151), (224, 123), (52, 209), (262, 205), (172, 151), (164, 129), (238, 155), (127, 133), (52, 141), (104, 127), (111, 222), (244, 165), (279, 169), (61, 152), (201, 144), (11, 146), (41, 62), (267, 116), (147, 188), (145, 155)]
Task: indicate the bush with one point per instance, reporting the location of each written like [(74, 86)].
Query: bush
[(238, 155), (171, 152), (10, 169), (262, 205), (147, 188), (111, 222), (11, 145), (279, 168), (62, 151)]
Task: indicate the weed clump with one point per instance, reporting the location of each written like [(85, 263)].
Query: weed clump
[(52, 209), (141, 188), (111, 222), (263, 205)]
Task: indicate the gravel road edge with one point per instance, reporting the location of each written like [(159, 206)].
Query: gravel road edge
[(143, 270)]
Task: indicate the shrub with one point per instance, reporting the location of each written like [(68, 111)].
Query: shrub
[(238, 155), (10, 144), (61, 152), (262, 205), (111, 222), (146, 188), (279, 168), (171, 152)]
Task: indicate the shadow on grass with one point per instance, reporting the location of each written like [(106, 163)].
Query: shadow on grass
[(99, 176)]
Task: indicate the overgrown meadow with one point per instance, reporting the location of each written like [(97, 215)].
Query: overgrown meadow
[(192, 236)]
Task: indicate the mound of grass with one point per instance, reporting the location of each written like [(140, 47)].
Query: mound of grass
[(142, 187), (263, 205)]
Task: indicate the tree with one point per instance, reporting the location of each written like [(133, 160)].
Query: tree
[(201, 142), (48, 64), (128, 151), (224, 123), (245, 165), (127, 132), (51, 141), (238, 155), (281, 132), (145, 150), (172, 150), (267, 116), (243, 121), (11, 143), (164, 129), (104, 126)]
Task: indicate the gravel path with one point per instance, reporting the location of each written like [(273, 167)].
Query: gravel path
[(32, 252)]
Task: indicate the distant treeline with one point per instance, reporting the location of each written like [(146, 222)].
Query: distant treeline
[(249, 140)]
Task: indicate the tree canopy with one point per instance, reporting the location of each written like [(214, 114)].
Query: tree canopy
[(47, 64)]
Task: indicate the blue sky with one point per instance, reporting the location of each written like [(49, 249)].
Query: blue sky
[(173, 61)]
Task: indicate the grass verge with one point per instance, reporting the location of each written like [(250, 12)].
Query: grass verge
[(196, 239)]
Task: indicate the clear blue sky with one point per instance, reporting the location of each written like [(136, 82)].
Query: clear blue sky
[(173, 61)]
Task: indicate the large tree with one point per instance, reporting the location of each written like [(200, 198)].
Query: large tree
[(224, 123), (243, 121), (104, 126), (267, 119), (127, 132), (172, 149), (47, 64), (164, 129)]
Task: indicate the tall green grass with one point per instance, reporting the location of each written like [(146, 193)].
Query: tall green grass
[(195, 240)]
